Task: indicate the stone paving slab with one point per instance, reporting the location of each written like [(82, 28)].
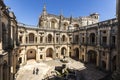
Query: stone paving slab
[(26, 72)]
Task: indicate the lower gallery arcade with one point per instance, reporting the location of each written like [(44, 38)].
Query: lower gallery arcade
[(49, 52)]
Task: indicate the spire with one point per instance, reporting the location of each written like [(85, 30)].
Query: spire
[(44, 10)]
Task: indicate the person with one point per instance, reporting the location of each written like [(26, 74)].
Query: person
[(37, 70), (34, 71)]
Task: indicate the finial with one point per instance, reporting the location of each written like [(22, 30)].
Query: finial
[(44, 8)]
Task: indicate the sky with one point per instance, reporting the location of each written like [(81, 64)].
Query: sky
[(28, 11)]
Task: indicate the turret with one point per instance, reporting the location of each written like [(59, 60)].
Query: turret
[(95, 16)]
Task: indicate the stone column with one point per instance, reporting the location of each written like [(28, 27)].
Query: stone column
[(98, 56), (107, 61), (98, 38), (24, 39), (109, 36)]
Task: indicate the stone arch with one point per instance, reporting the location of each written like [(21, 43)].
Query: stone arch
[(31, 54), (76, 25), (31, 38), (92, 57), (49, 52), (92, 38)]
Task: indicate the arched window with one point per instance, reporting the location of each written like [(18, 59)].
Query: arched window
[(65, 26), (49, 38), (92, 38), (41, 39), (63, 38), (76, 25), (31, 38), (52, 24), (76, 38)]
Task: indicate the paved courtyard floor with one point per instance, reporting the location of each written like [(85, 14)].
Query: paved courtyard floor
[(26, 72)]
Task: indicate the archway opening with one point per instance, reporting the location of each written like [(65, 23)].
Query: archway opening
[(63, 51), (92, 38), (49, 53), (76, 54), (92, 57), (31, 54)]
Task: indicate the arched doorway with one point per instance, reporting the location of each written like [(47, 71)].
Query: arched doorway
[(92, 57), (5, 70), (75, 54), (31, 54), (49, 52), (63, 51)]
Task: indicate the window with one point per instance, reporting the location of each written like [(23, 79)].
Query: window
[(31, 38), (49, 38), (20, 39), (63, 38), (36, 39), (92, 38), (104, 40), (57, 40), (113, 40), (30, 51), (26, 40), (52, 24), (76, 38), (41, 39), (83, 40), (41, 56)]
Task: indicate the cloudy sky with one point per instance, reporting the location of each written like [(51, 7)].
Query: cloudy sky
[(28, 11)]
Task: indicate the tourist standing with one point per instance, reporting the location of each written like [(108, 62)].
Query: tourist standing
[(34, 71), (37, 70)]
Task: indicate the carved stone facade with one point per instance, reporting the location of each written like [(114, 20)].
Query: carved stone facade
[(82, 38), (8, 40)]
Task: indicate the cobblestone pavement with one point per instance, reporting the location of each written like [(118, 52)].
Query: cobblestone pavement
[(45, 67)]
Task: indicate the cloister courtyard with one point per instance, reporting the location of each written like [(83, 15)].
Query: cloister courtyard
[(47, 69)]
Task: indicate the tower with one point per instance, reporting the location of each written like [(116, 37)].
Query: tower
[(43, 18)]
